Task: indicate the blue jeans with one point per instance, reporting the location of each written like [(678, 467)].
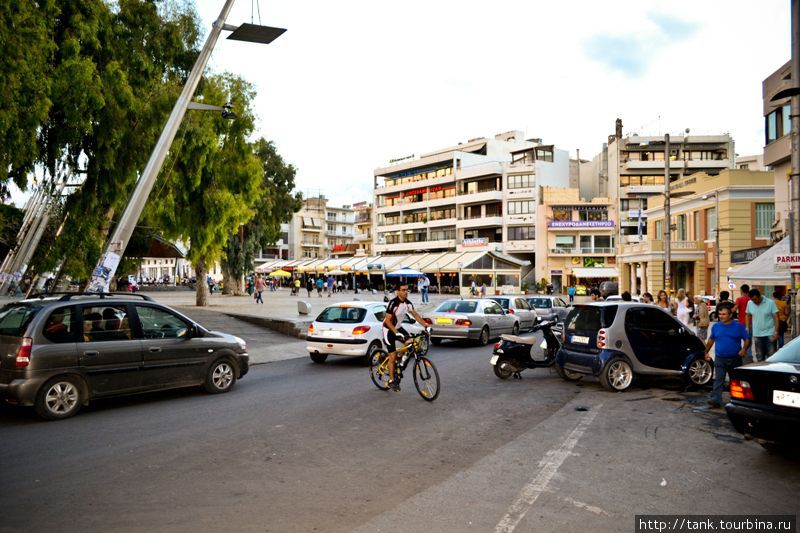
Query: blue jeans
[(425, 295), (722, 366), (764, 347)]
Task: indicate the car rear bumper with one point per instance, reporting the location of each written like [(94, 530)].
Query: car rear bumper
[(21, 391), (337, 346), (762, 422), (455, 333), (584, 363)]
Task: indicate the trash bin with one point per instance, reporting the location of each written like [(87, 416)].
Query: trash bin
[(303, 307)]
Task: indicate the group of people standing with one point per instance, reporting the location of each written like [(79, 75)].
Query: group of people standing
[(327, 285)]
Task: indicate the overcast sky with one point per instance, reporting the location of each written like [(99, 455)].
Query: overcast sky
[(352, 84)]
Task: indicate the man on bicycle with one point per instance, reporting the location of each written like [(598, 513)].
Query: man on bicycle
[(393, 332)]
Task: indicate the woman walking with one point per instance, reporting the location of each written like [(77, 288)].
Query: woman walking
[(663, 301), (683, 307)]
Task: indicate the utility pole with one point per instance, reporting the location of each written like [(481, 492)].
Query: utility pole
[(668, 220), (795, 139)]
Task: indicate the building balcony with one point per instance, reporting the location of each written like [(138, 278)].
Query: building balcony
[(311, 244), (444, 180), (519, 246), (311, 229), (657, 246), (425, 246), (583, 251), (709, 163), (479, 222), (491, 168), (641, 189), (518, 220), (402, 227), (480, 197), (359, 237), (478, 245), (636, 164), (521, 194), (439, 222)]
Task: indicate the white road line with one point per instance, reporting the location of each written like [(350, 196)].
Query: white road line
[(549, 465)]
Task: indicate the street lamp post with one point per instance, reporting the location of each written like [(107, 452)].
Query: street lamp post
[(667, 221), (717, 250)]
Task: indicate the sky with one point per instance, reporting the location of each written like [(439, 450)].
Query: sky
[(353, 84)]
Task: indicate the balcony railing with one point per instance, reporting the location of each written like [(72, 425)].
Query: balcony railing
[(658, 246), (586, 251)]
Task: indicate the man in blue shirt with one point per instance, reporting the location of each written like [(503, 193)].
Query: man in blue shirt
[(728, 335), (762, 323)]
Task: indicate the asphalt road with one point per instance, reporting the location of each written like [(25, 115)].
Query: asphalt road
[(303, 447)]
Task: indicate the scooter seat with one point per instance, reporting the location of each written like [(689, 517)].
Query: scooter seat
[(532, 341)]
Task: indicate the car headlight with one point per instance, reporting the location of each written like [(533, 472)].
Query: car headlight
[(242, 344)]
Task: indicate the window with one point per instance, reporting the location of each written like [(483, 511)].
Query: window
[(492, 308), (697, 235), (521, 181), (106, 323), (602, 241), (711, 223), (778, 123), (765, 213), (592, 214), (522, 233), (58, 327), (565, 242), (562, 215), (521, 208), (14, 319), (443, 234), (343, 315), (659, 230), (786, 120), (681, 229), (651, 320), (159, 324)]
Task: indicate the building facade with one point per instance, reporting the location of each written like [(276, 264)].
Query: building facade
[(576, 240), (319, 230), (777, 142), (733, 210), (476, 196), (339, 230), (362, 238)]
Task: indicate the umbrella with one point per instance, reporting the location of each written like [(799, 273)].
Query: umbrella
[(407, 272), (337, 273), (280, 274)]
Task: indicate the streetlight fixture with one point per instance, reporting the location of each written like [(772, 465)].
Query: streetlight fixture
[(115, 247), (717, 251)]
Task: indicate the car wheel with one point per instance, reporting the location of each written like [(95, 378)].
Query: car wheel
[(59, 398), (617, 375), (699, 372), (436, 342), (503, 368), (374, 347), (515, 329), (483, 340), (319, 357), (221, 377), (567, 375)]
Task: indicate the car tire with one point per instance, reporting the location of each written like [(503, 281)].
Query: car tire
[(617, 375), (502, 371), (374, 347), (59, 398), (220, 377), (484, 337), (318, 357), (699, 372), (436, 342), (515, 329), (567, 375)]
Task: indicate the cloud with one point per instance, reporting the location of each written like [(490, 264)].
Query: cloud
[(672, 28)]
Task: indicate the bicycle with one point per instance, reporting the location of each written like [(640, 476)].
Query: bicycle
[(426, 377)]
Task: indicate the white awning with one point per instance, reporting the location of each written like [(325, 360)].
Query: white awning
[(762, 270), (595, 272)]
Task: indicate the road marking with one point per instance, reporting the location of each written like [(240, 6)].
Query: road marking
[(548, 467), (586, 506)]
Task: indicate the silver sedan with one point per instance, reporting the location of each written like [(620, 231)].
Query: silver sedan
[(479, 320)]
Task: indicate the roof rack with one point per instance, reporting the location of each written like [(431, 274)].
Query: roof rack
[(102, 295)]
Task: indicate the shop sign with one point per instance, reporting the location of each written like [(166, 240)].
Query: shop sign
[(581, 224), (788, 260), (556, 272), (745, 256), (590, 262), (479, 241), (375, 266), (339, 248)]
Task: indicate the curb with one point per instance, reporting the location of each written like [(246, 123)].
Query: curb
[(286, 327)]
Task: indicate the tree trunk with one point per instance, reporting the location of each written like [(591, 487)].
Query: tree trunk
[(233, 285), (201, 299)]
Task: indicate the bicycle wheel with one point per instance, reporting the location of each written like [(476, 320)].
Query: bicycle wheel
[(378, 369), (426, 379)]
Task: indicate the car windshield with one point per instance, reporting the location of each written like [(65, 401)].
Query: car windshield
[(342, 315), (790, 353), (457, 306), (591, 317), (14, 318), (541, 303), (503, 302)]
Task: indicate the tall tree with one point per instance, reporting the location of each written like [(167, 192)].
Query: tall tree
[(275, 203)]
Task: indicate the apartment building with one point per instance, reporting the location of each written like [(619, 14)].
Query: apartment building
[(319, 230), (576, 239), (777, 142), (733, 210), (339, 230), (476, 196), (362, 239), (280, 250), (636, 168)]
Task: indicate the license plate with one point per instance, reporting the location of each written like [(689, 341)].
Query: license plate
[(577, 339), (786, 398), (494, 359), (331, 333), (444, 320)]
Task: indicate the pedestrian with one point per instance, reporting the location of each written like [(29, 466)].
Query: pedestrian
[(320, 285), (595, 295), (741, 304), (701, 317), (472, 289), (260, 286), (783, 318), (647, 298), (728, 335), (663, 301), (683, 307), (626, 297), (762, 323), (330, 286), (571, 293), (309, 285), (296, 291), (483, 290), (338, 285)]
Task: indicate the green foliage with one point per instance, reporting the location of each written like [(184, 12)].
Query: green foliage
[(10, 222)]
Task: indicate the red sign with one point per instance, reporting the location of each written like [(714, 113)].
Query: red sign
[(414, 192), (339, 248)]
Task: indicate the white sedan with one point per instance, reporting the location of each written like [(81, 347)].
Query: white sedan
[(351, 328)]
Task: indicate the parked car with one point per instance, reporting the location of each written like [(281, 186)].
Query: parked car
[(65, 351), (549, 307), (480, 320), (608, 288), (711, 302), (617, 341), (351, 328), (765, 398), (518, 305)]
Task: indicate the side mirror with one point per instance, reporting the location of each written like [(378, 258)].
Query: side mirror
[(183, 333)]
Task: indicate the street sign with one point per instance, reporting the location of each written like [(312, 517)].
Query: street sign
[(788, 260)]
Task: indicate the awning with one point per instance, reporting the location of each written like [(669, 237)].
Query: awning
[(595, 272), (762, 270)]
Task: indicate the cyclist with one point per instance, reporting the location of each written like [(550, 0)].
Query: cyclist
[(396, 311)]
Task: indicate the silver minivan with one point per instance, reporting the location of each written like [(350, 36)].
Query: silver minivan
[(58, 353)]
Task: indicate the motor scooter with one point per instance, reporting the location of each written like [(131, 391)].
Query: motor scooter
[(513, 354)]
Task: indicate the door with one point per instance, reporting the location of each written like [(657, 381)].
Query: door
[(170, 355), (108, 352), (525, 312), (657, 339), (561, 308), (501, 322)]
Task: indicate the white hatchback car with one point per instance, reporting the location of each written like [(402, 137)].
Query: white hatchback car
[(351, 328)]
